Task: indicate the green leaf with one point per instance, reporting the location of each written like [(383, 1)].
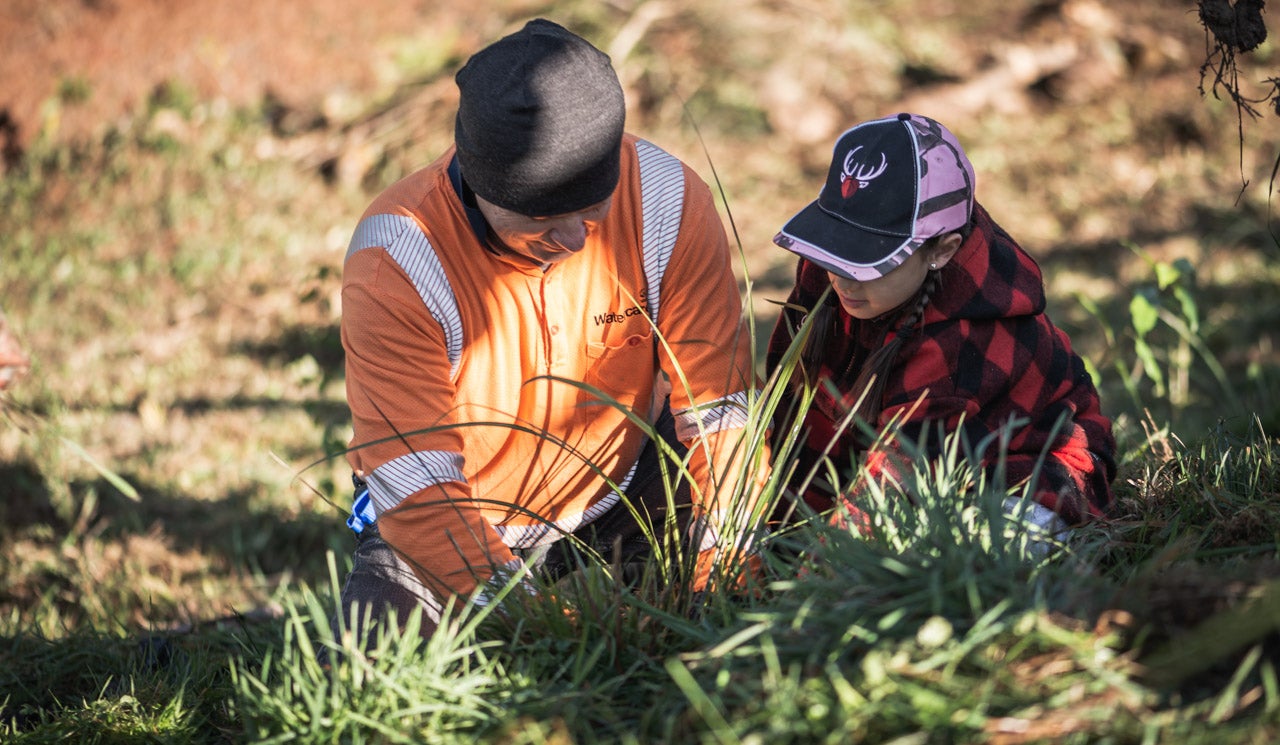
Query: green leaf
[(1143, 312), (1149, 365), (1190, 310), (1167, 274)]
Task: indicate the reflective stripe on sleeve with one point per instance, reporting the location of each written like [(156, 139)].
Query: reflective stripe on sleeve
[(396, 480), (505, 573), (723, 414), (538, 534)]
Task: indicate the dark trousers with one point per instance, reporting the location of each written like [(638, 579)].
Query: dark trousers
[(380, 581)]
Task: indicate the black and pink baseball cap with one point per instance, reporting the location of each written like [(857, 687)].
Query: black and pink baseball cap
[(894, 183)]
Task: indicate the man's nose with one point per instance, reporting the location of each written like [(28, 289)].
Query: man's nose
[(572, 234)]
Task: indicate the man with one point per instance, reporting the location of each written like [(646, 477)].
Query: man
[(511, 312)]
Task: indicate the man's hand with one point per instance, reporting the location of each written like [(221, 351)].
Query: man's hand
[(709, 571)]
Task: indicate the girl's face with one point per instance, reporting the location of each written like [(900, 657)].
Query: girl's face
[(874, 298)]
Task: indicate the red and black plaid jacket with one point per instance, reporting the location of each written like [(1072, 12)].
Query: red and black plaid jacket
[(984, 354)]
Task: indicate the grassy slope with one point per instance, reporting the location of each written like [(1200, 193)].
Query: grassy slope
[(176, 285)]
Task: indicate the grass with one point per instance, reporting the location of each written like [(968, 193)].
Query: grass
[(942, 626), (172, 481)]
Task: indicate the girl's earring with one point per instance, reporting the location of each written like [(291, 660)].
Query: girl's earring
[(933, 266)]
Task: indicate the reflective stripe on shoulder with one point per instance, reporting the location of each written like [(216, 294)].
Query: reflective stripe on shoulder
[(408, 246), (396, 480), (661, 207)]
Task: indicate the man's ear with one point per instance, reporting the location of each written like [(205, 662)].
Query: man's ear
[(944, 249)]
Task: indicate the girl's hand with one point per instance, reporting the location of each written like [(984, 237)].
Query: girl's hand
[(848, 516)]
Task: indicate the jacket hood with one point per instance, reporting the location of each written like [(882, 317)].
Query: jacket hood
[(989, 277)]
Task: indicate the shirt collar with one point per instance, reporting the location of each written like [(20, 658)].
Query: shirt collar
[(475, 217)]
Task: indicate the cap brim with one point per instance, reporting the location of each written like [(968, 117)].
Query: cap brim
[(841, 248)]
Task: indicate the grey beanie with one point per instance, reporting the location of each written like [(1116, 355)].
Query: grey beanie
[(539, 124)]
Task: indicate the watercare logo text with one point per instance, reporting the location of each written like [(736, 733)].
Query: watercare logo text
[(611, 317)]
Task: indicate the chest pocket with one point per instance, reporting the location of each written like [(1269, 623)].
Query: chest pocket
[(615, 364)]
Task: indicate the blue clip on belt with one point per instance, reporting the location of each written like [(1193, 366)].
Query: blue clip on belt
[(362, 514)]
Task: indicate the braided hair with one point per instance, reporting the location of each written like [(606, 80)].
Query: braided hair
[(871, 379), (870, 382)]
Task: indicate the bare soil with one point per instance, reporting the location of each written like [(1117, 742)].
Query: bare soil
[(120, 51)]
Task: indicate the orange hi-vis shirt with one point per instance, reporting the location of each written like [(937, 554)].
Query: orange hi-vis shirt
[(490, 399)]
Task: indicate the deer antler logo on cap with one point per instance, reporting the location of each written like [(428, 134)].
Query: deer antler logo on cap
[(857, 175)]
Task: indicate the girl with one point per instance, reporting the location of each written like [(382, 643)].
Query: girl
[(929, 318)]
